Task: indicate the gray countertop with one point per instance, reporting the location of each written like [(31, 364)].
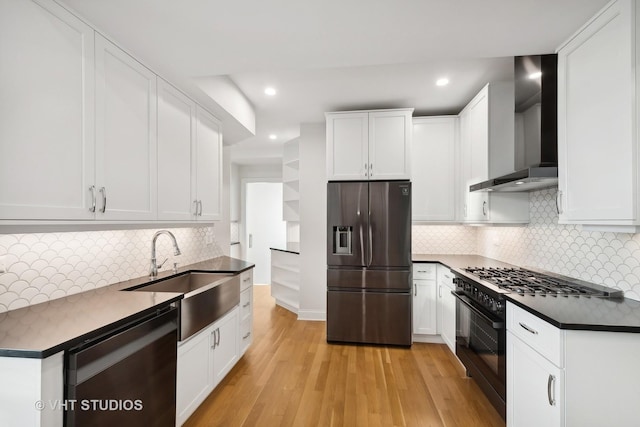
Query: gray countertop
[(41, 330)]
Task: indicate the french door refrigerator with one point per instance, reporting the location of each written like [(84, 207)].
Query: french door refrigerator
[(369, 262)]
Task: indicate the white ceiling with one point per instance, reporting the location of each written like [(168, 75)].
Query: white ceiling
[(338, 54)]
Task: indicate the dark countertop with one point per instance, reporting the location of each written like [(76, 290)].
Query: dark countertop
[(574, 313), (291, 247), (41, 330)]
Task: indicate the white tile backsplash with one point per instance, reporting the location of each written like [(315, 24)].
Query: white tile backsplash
[(443, 239), (42, 267), (610, 259)]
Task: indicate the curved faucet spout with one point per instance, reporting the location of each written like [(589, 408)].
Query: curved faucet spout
[(153, 270)]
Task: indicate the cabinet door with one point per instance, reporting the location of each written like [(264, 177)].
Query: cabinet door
[(596, 115), (176, 120), (447, 307), (46, 112), (227, 345), (535, 387), (474, 147), (207, 162), (126, 166), (433, 169), (347, 146), (424, 307), (390, 135), (194, 373)]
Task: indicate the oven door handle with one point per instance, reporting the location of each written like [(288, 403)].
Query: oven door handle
[(497, 325)]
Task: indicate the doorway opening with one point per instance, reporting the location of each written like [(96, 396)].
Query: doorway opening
[(264, 227)]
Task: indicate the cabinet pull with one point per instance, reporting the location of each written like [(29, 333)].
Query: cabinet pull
[(93, 198), (247, 279), (246, 305), (415, 289), (195, 204), (103, 191), (213, 339), (559, 202), (550, 390), (370, 169), (528, 328), (484, 208), (440, 291), (217, 337), (247, 335), (200, 207)]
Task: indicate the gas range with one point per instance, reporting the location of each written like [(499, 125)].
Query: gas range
[(486, 286)]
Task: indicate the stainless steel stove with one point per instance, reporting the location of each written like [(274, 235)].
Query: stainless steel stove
[(481, 319), (523, 281)]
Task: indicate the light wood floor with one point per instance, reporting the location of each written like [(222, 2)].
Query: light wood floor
[(290, 376)]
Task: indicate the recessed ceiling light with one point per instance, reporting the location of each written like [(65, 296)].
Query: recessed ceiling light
[(442, 82), (535, 75), (273, 136), (270, 91)]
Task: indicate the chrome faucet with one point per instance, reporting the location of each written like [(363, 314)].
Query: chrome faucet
[(153, 271)]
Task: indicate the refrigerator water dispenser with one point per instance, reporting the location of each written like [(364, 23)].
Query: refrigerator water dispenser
[(342, 240)]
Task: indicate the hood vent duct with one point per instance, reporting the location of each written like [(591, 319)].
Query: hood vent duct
[(536, 124)]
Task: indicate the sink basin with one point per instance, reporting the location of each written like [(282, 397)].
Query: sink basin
[(188, 284), (207, 297)]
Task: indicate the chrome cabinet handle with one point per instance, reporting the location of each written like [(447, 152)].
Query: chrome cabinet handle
[(559, 202), (550, 389), (246, 305), (247, 279), (415, 289), (246, 335), (366, 170), (103, 191), (528, 328), (195, 204), (370, 169), (200, 204), (484, 208), (213, 338), (93, 198), (440, 291)]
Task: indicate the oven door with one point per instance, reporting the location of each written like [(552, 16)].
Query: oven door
[(481, 345)]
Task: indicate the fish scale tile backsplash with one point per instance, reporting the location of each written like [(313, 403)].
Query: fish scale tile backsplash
[(610, 259), (46, 266)]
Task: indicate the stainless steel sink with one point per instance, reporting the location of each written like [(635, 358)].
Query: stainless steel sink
[(207, 297)]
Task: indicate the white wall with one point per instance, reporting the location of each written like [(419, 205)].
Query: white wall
[(313, 225)]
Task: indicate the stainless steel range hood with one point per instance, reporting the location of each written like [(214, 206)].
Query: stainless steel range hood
[(536, 139)]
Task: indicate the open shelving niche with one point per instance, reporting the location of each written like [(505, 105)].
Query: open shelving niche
[(285, 279), (290, 181)]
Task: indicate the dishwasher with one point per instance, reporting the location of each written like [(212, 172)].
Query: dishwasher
[(126, 377)]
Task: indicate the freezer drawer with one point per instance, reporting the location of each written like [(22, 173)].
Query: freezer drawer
[(355, 279), (369, 317)]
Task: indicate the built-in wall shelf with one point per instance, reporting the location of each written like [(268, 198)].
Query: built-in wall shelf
[(285, 279), (290, 181)]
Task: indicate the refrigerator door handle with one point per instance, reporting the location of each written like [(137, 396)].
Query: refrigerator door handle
[(370, 241)]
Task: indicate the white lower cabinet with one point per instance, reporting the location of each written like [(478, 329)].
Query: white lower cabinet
[(425, 303), (203, 360), (558, 377), (446, 307), (246, 310)]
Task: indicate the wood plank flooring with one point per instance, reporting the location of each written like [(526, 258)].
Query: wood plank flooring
[(290, 376)]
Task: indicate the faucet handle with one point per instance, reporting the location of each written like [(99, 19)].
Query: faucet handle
[(162, 263)]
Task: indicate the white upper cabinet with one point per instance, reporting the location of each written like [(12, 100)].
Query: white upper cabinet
[(597, 121), (176, 136), (46, 112), (126, 142), (487, 150), (207, 167), (369, 145), (433, 168)]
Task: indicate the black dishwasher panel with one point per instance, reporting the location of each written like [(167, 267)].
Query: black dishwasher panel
[(126, 378)]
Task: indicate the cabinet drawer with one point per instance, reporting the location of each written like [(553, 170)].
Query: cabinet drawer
[(246, 279), (445, 277), (543, 337), (245, 304), (424, 271), (245, 332)]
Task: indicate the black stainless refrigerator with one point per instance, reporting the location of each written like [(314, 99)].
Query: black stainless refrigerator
[(369, 262)]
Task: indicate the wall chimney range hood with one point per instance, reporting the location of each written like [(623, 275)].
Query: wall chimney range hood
[(536, 124)]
